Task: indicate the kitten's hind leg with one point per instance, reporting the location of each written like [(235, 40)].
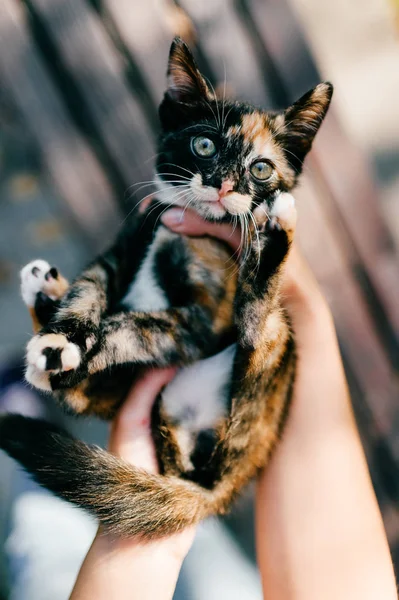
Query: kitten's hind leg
[(41, 288)]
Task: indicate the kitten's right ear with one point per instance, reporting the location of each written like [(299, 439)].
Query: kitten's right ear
[(185, 82)]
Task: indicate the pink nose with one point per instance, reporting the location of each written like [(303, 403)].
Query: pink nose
[(226, 187)]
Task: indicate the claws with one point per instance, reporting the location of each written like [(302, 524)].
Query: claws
[(38, 277), (48, 355)]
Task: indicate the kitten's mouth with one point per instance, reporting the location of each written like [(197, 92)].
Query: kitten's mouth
[(210, 202), (233, 204), (213, 208)]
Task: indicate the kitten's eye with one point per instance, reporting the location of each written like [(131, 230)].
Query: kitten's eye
[(261, 170), (203, 146)]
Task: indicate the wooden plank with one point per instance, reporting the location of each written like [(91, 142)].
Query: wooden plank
[(282, 41), (97, 68), (354, 325), (356, 200), (344, 170), (147, 29), (70, 161), (229, 48)]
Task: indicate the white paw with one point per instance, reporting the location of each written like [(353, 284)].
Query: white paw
[(39, 379), (283, 213), (52, 352), (33, 280)]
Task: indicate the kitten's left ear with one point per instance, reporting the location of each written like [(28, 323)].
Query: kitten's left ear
[(302, 121)]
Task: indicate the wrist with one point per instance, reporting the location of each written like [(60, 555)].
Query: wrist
[(125, 567), (172, 549)]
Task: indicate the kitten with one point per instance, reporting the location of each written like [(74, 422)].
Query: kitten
[(156, 298)]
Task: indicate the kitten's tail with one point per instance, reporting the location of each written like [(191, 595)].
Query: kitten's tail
[(127, 500)]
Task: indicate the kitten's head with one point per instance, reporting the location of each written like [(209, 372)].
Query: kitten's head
[(225, 158)]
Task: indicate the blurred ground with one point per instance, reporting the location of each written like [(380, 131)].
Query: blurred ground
[(357, 44)]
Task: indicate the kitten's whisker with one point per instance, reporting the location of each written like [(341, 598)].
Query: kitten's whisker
[(227, 114), (152, 157), (190, 201), (218, 122), (178, 167), (257, 237), (234, 225), (241, 246), (137, 204), (157, 203), (160, 203), (144, 184), (134, 208), (154, 184), (155, 181), (175, 175), (164, 211), (199, 125), (161, 190), (224, 93)]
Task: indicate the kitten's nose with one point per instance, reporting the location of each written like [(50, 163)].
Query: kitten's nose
[(226, 187)]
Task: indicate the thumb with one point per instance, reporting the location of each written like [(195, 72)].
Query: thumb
[(188, 222), (130, 436)]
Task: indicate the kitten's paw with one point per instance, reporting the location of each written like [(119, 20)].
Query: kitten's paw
[(39, 379), (39, 277), (283, 214), (52, 353)]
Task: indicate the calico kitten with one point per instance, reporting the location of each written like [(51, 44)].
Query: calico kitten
[(156, 298)]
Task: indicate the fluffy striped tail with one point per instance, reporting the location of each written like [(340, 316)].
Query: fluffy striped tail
[(128, 501)]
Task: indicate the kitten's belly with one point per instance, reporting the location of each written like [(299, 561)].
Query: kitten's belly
[(197, 398)]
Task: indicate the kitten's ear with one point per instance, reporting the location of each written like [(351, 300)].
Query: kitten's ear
[(185, 82), (302, 121)]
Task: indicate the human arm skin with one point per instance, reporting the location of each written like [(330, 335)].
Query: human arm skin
[(319, 530), (318, 526), (123, 569)]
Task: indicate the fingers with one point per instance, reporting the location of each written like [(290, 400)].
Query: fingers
[(131, 432), (188, 222), (144, 204)]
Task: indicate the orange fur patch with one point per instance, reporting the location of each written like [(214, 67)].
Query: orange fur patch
[(257, 132)]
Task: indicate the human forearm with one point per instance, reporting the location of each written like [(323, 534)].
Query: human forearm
[(125, 569), (320, 533)]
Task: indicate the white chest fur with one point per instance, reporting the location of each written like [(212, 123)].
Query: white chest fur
[(197, 397), (144, 293)]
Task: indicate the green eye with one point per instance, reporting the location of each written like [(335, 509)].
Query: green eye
[(261, 170), (203, 146)]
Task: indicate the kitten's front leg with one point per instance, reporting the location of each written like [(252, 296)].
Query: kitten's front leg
[(61, 346), (260, 275), (72, 335), (176, 336), (265, 360)]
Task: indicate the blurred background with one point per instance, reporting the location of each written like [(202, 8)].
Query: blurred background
[(80, 81)]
